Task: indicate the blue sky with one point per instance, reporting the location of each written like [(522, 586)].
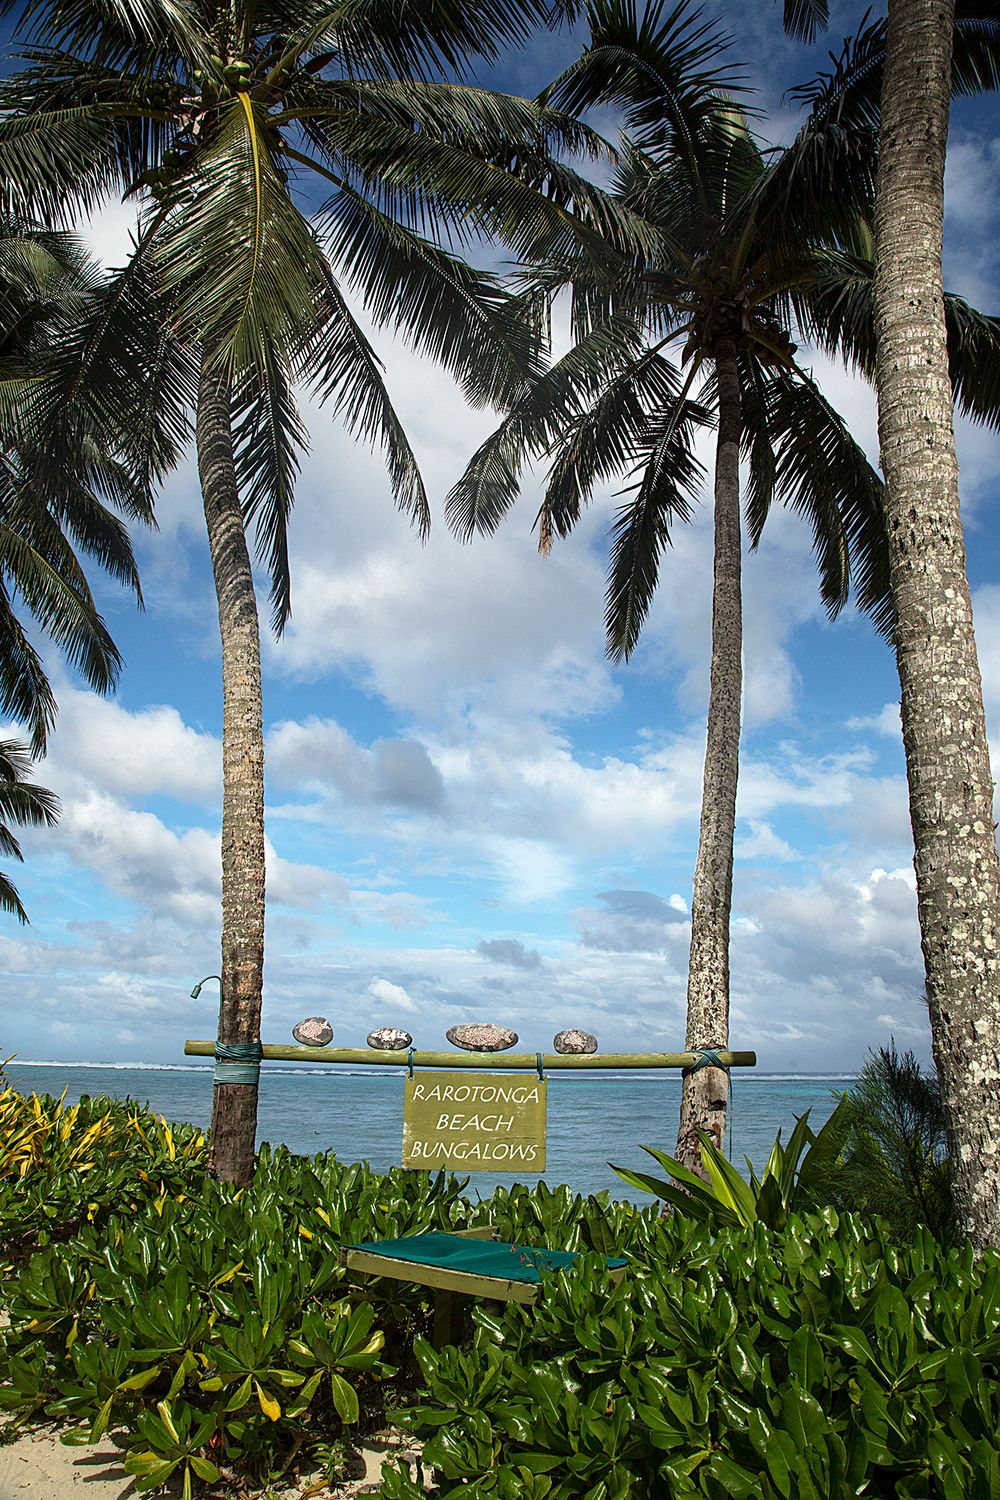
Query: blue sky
[(471, 814)]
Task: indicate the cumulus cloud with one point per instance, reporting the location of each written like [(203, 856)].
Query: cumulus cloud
[(509, 951), (148, 752), (763, 843), (392, 995), (321, 754), (631, 922)]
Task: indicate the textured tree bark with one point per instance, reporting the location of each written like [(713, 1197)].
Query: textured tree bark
[(234, 1111), (704, 1095), (944, 730)]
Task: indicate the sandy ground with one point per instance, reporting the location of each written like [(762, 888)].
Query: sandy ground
[(39, 1467)]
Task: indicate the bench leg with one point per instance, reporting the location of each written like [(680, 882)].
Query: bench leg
[(445, 1309)]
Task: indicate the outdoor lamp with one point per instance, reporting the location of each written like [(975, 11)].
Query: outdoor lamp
[(197, 989)]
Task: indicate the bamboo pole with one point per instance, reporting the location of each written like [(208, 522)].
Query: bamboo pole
[(551, 1061)]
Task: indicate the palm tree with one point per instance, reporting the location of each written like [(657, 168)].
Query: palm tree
[(57, 499), (918, 335), (223, 120), (23, 804), (944, 728), (728, 249)]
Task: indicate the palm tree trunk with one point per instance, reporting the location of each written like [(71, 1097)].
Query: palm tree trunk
[(944, 730), (234, 1112), (704, 1094)]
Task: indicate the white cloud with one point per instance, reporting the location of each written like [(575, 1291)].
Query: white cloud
[(763, 843), (321, 754), (150, 752), (392, 995)]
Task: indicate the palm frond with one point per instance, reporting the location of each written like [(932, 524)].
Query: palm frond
[(76, 510), (10, 901), (337, 362), (25, 692), (115, 28), (21, 800), (622, 432), (237, 260), (975, 57), (268, 437), (409, 38), (821, 472), (836, 311), (670, 477), (474, 119), (662, 69), (466, 184), (63, 609), (974, 360), (456, 314), (805, 18), (848, 94), (57, 164), (24, 804), (120, 382), (537, 423)]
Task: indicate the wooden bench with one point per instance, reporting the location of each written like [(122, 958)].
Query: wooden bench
[(449, 1282)]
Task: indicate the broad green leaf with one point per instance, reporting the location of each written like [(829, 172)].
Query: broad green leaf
[(345, 1398)]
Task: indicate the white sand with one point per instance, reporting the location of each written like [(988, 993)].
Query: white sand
[(39, 1467)]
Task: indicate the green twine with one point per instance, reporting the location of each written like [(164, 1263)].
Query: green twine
[(709, 1057), (238, 1062)]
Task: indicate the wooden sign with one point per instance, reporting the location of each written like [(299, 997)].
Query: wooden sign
[(474, 1122)]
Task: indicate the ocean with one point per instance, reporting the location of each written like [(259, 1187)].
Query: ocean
[(593, 1120)]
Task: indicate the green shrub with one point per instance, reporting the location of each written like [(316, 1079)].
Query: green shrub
[(213, 1335), (813, 1363), (208, 1330), (61, 1165)]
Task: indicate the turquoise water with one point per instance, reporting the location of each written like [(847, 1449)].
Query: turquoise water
[(592, 1120)]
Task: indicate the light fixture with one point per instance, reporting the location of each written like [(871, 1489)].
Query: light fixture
[(197, 989)]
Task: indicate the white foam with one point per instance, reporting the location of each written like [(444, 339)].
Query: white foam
[(743, 1075)]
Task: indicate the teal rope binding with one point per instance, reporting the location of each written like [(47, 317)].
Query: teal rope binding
[(708, 1057), (409, 1062), (539, 1066), (238, 1062)]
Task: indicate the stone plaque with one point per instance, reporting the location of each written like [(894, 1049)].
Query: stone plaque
[(474, 1122)]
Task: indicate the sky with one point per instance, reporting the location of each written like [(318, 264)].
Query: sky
[(471, 815)]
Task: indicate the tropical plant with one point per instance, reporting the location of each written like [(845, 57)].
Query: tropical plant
[(893, 1158), (930, 52), (786, 1185), (23, 804), (731, 238), (68, 471), (226, 124)]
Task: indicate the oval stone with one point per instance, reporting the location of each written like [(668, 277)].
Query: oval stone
[(389, 1039), (481, 1036), (574, 1041), (314, 1031)]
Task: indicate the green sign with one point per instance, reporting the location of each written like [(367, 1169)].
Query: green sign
[(474, 1122)]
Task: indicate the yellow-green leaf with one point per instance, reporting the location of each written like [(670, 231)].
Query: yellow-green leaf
[(268, 1405)]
